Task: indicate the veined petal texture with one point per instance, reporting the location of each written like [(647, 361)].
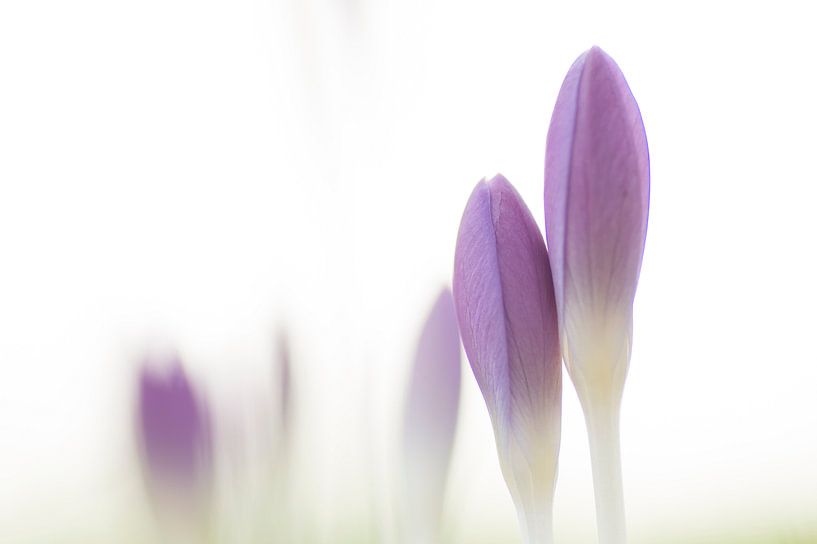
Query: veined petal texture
[(596, 207), (507, 317)]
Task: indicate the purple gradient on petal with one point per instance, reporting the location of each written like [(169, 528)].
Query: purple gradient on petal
[(434, 390), (175, 429), (596, 188), (430, 417), (506, 311)]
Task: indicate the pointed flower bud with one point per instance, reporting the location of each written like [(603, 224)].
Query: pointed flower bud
[(430, 421), (174, 433), (507, 318), (596, 201)]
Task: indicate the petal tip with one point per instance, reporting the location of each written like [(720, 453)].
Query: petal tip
[(498, 179)]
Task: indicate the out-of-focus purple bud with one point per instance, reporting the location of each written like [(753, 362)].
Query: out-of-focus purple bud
[(507, 319), (430, 421), (284, 386), (175, 436), (596, 205)]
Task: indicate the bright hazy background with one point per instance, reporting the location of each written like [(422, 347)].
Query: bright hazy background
[(199, 174)]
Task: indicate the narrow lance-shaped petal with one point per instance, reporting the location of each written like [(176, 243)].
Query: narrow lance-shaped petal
[(430, 421), (507, 318), (175, 436), (596, 203)]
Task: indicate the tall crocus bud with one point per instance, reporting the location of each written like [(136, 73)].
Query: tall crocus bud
[(507, 319), (173, 428), (596, 200), (430, 420)]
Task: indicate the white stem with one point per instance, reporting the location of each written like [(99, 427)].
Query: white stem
[(537, 527), (602, 420)]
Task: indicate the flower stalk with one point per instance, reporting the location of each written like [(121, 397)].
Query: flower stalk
[(506, 312), (596, 205)]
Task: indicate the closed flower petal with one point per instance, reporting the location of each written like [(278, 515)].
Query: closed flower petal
[(507, 317), (430, 420), (596, 203)]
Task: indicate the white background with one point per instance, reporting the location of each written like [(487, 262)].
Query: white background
[(199, 173)]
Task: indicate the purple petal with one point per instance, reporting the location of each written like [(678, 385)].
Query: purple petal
[(596, 191), (507, 317), (430, 418), (174, 428)]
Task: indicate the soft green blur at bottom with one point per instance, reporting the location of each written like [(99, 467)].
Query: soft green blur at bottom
[(782, 536), (772, 537)]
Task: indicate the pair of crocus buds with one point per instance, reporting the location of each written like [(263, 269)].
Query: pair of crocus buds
[(522, 306)]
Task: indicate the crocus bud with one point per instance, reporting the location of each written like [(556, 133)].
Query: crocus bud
[(284, 388), (507, 319), (175, 437), (278, 503), (596, 202), (430, 420)]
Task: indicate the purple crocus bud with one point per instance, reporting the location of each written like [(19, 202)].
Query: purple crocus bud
[(175, 437), (596, 201), (507, 319), (430, 420)]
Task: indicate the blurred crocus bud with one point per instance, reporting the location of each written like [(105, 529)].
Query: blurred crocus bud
[(276, 507), (284, 386), (175, 437), (596, 202), (430, 421), (507, 319)]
